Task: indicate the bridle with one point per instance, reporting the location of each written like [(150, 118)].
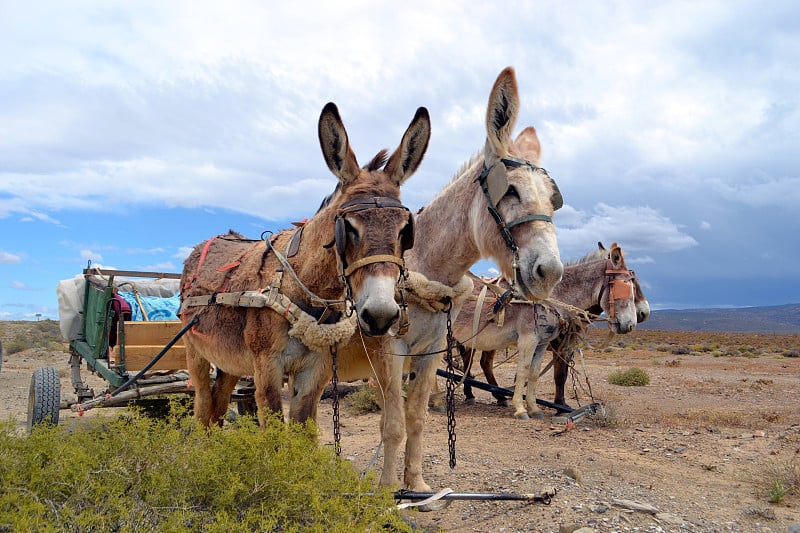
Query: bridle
[(494, 184), (618, 281), (356, 205)]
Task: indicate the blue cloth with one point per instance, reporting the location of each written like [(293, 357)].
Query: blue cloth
[(156, 308)]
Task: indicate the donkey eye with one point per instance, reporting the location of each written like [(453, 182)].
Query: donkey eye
[(351, 231), (512, 192)]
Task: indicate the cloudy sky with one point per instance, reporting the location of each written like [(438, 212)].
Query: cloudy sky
[(131, 131)]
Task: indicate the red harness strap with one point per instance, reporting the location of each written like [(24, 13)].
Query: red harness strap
[(199, 264)]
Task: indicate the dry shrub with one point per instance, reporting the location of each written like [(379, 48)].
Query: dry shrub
[(633, 377), (362, 401)]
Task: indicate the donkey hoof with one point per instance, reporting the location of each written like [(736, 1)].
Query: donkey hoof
[(537, 415), (521, 416), (438, 408), (503, 403), (469, 401)]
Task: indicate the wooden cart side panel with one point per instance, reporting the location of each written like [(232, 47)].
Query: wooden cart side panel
[(145, 340), (154, 332), (137, 357)]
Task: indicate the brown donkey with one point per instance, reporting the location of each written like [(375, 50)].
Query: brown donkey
[(500, 206), (599, 280), (281, 303)]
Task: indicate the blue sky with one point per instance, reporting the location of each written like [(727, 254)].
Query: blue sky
[(131, 131)]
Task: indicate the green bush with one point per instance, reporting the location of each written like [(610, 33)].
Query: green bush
[(134, 473), (633, 377)]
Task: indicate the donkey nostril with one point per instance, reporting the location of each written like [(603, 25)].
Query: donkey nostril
[(378, 325), (540, 272)]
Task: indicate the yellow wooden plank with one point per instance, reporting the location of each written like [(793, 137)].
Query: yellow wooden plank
[(137, 357), (151, 333)]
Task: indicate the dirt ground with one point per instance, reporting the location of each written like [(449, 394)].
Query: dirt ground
[(701, 443)]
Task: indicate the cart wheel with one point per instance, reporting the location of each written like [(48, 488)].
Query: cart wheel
[(247, 407), (44, 397)]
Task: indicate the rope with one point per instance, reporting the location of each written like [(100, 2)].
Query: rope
[(285, 263), (434, 296)]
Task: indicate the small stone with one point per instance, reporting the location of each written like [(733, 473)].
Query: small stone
[(759, 433), (670, 518)]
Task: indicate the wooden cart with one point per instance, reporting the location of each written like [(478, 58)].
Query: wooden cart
[(142, 361)]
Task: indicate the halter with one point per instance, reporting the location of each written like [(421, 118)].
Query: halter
[(356, 205), (494, 184), (618, 282)]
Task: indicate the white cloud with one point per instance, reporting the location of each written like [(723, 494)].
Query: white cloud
[(640, 229), (164, 266), (183, 252), (91, 256), (705, 225), (762, 192), (8, 258)]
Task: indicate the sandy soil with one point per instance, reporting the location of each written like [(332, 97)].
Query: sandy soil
[(700, 444)]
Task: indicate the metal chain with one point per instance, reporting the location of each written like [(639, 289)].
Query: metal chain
[(335, 393), (450, 388)]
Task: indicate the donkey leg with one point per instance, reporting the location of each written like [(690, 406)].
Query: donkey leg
[(221, 394), (533, 377), (389, 379), (523, 371), (467, 356), (423, 372), (560, 371), (487, 365), (199, 370), (307, 386), (268, 380)]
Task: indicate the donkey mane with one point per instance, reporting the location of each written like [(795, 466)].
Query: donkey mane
[(591, 257), (466, 165), (327, 200), (378, 161)]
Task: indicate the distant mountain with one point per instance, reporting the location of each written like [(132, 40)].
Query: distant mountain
[(772, 319)]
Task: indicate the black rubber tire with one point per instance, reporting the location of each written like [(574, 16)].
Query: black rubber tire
[(247, 407), (44, 397)]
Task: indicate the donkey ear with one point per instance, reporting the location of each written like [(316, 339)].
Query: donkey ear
[(617, 258), (527, 143), (408, 156), (502, 112), (336, 146), (600, 245)]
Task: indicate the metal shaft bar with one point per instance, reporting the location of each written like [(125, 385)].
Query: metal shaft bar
[(487, 496), (500, 390)]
